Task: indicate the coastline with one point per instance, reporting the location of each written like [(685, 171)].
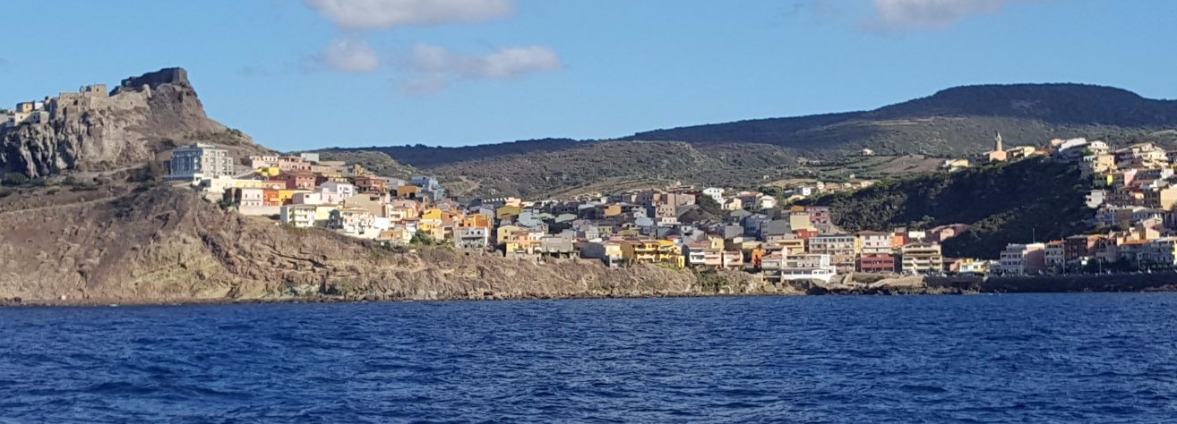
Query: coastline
[(1119, 283)]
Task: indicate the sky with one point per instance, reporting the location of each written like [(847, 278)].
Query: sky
[(304, 74)]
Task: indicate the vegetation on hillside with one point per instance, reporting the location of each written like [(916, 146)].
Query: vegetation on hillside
[(610, 165), (1008, 203), (955, 121), (951, 123), (378, 162)]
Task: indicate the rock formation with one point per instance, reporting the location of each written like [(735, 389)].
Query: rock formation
[(94, 130)]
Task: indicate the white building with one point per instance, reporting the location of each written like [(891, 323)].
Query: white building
[(199, 159), (252, 197), (873, 243), (298, 216), (715, 193), (344, 190), (921, 258), (780, 267), (474, 238), (1022, 259), (1160, 252), (1055, 256)]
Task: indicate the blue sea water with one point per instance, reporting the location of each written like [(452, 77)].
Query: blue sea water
[(1067, 358)]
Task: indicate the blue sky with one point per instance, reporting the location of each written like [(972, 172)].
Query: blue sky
[(299, 74)]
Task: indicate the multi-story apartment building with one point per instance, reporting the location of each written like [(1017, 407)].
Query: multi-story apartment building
[(199, 159), (921, 258), (1022, 259)]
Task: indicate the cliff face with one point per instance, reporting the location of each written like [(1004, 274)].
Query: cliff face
[(141, 118), (166, 245)]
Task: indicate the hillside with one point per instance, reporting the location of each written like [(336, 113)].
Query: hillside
[(97, 130), (167, 245), (605, 166), (953, 122), (1009, 203)]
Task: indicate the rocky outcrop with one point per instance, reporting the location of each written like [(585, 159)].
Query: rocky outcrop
[(167, 245), (93, 130)]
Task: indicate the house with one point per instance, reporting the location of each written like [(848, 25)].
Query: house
[(1161, 198), (344, 190), (200, 159), (607, 251), (371, 184), (832, 244), (818, 215), (733, 204), (872, 243), (715, 193), (1161, 253), (883, 263), (356, 222), (840, 247), (472, 238), (800, 220), (753, 224), (556, 246), (250, 197), (301, 180), (1055, 256), (1022, 259), (921, 258), (779, 268), (408, 191), (953, 165), (305, 216), (429, 185), (971, 266), (775, 230), (1075, 247), (635, 250), (293, 163)]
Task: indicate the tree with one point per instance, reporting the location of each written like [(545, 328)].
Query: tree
[(709, 205)]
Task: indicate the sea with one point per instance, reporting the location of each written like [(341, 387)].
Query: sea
[(1026, 358)]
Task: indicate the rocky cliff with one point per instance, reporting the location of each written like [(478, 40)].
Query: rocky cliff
[(94, 130), (167, 245)]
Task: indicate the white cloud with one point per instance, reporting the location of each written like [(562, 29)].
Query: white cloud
[(931, 13), (434, 67), (350, 56), (371, 14)]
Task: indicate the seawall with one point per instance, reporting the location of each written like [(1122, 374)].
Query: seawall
[(1159, 281)]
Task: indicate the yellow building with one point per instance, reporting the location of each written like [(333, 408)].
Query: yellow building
[(507, 211), (611, 210), (716, 242), (504, 232), (286, 195), (406, 191), (476, 220), (248, 184), (269, 171), (791, 246), (432, 213), (639, 250), (669, 253)]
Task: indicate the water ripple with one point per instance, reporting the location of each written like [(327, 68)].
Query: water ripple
[(1097, 358)]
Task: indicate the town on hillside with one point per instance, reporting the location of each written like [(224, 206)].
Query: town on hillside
[(686, 226)]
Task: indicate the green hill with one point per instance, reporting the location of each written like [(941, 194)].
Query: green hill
[(1008, 203)]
